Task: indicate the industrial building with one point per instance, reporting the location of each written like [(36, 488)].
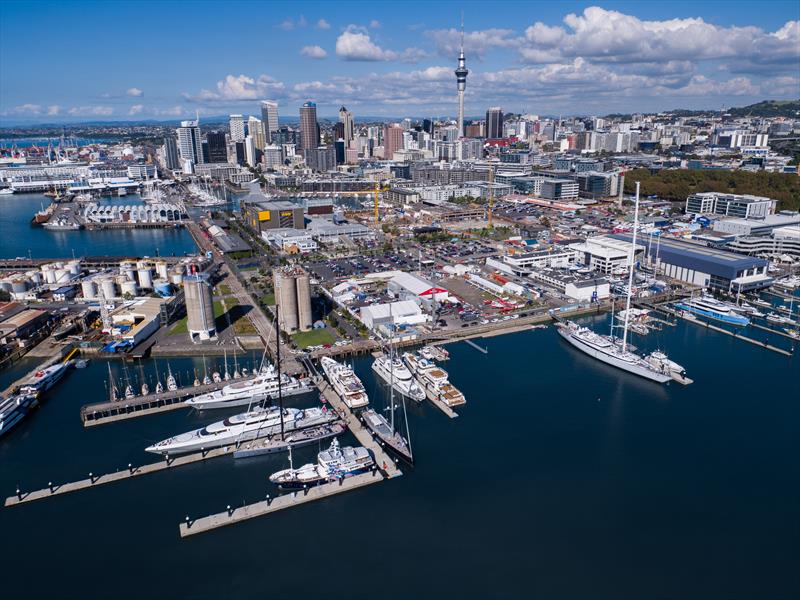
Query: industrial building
[(742, 206), (404, 312), (201, 323), (761, 226), (291, 241), (604, 254), (293, 297), (583, 288), (22, 324), (407, 286), (524, 263), (137, 322), (274, 214), (705, 266)]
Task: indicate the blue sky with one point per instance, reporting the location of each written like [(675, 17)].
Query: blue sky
[(73, 61)]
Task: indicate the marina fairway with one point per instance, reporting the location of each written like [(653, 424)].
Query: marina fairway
[(561, 478)]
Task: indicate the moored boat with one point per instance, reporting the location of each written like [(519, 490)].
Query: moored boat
[(333, 464)]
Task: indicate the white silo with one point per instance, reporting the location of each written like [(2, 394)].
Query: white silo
[(162, 268), (35, 277), (109, 287), (128, 269), (62, 275), (129, 287), (49, 272), (74, 267), (89, 289), (145, 272)]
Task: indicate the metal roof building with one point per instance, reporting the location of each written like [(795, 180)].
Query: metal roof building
[(706, 266)]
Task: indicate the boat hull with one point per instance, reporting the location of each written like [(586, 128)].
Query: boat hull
[(611, 360), (730, 319), (257, 398), (13, 417)]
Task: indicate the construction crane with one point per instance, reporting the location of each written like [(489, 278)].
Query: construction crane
[(491, 195)]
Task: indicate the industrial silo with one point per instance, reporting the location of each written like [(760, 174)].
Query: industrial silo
[(162, 269), (145, 272), (109, 287), (162, 287), (74, 268), (303, 301), (286, 299), (129, 287), (19, 286), (35, 277), (128, 269), (199, 308), (89, 289), (49, 272)]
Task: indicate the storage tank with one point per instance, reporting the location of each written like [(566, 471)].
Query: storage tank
[(286, 299), (162, 269), (176, 277), (303, 302), (35, 277), (129, 287), (109, 287), (5, 285), (162, 287), (145, 277), (19, 286), (199, 308), (89, 289), (62, 275), (128, 269), (74, 267), (49, 272)]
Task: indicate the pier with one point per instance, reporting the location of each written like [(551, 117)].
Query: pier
[(249, 511), (474, 345)]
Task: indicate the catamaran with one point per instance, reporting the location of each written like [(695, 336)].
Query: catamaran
[(345, 382), (606, 348)]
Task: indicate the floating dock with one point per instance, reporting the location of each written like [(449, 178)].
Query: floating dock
[(265, 507)]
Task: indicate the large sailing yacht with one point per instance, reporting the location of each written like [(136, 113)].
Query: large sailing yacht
[(655, 366)]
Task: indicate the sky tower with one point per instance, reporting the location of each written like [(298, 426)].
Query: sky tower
[(461, 78)]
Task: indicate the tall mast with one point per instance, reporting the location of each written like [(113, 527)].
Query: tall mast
[(630, 275), (391, 369), (278, 361)]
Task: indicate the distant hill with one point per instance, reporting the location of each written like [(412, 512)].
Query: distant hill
[(765, 108)]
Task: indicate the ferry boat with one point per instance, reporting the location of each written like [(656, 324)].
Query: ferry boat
[(713, 309), (397, 375), (46, 378), (243, 427), (333, 464), (253, 391), (6, 191), (14, 409), (345, 382), (433, 379)]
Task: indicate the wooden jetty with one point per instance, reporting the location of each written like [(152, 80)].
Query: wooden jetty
[(249, 511)]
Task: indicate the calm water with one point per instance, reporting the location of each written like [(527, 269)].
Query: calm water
[(16, 212), (562, 478)]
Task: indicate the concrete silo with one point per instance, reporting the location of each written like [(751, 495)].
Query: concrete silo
[(303, 301), (199, 308), (293, 296)]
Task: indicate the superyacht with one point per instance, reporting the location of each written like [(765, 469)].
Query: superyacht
[(332, 464), (46, 378), (433, 379), (253, 391), (14, 409), (397, 375), (345, 382)]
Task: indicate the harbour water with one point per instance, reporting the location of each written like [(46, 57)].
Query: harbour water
[(16, 211), (562, 478)]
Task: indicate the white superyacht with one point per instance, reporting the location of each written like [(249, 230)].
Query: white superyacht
[(434, 379), (252, 391), (345, 382), (397, 375)]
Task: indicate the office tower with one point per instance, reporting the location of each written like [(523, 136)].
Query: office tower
[(273, 157), (189, 143), (338, 131), (217, 150), (494, 123), (269, 119), (392, 140), (427, 126), (250, 151), (322, 158), (340, 146), (171, 153), (236, 124), (346, 119), (255, 129), (309, 129), (461, 81)]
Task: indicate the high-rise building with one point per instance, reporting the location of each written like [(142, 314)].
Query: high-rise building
[(340, 145), (321, 158), (273, 157), (250, 151), (494, 123), (269, 119), (217, 147), (309, 128), (346, 119), (190, 146), (171, 153), (427, 126), (236, 124), (392, 140), (255, 129), (461, 81)]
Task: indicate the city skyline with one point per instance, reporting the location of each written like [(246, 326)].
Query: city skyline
[(567, 58)]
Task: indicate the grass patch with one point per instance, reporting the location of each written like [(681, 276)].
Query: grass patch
[(268, 299), (182, 326), (224, 289), (315, 337)]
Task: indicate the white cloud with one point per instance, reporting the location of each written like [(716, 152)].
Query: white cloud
[(238, 87), (355, 44), (287, 24), (136, 109), (53, 110), (134, 92), (26, 109), (323, 24), (374, 24), (313, 52), (476, 43), (90, 111)]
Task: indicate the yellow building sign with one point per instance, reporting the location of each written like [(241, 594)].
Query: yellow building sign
[(264, 215)]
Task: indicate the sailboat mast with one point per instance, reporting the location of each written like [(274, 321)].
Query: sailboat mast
[(630, 275), (278, 361)]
